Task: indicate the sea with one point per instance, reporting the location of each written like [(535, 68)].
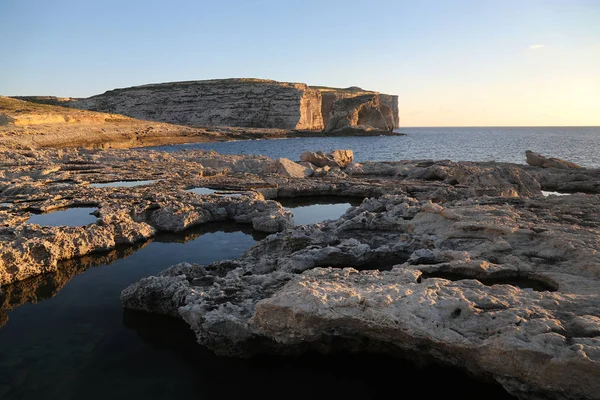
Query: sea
[(580, 145), (65, 336)]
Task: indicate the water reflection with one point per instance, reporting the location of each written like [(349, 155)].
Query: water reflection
[(314, 209), (44, 287), (78, 343), (121, 184), (219, 192), (73, 344), (339, 374), (74, 216)]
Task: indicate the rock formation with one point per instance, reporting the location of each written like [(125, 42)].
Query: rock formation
[(538, 160), (499, 288), (254, 103), (361, 111), (460, 263), (221, 102), (330, 96)]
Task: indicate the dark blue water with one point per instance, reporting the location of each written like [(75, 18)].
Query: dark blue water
[(578, 144)]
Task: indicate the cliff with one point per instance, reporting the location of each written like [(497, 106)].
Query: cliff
[(242, 102), (223, 102), (331, 96), (367, 110)]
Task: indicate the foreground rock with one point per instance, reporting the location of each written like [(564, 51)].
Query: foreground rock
[(505, 289), (460, 263), (36, 181), (337, 158)]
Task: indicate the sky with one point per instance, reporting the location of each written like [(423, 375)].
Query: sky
[(451, 62)]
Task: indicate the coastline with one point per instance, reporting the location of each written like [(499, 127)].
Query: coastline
[(468, 247), (148, 134)]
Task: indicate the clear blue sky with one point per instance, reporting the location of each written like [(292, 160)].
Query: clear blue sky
[(452, 63)]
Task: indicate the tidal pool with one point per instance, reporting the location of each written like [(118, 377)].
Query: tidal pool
[(218, 192), (65, 336), (74, 216), (202, 190), (310, 210), (121, 184)]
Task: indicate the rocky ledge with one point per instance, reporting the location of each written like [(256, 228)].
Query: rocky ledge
[(459, 263), (504, 288)]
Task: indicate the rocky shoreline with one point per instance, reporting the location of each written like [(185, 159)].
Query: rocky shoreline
[(28, 124), (460, 263)]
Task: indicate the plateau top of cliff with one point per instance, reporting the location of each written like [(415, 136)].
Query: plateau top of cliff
[(216, 82), (354, 90)]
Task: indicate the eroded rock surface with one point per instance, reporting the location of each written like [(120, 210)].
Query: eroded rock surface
[(257, 103), (365, 110), (494, 286), (461, 263)]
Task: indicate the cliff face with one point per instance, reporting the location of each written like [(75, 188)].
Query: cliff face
[(366, 110), (253, 103), (223, 102), (331, 97)]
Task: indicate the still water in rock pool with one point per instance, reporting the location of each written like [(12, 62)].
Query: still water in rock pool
[(311, 210), (121, 184), (65, 336), (76, 216)]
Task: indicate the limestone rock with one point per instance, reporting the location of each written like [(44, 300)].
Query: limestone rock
[(342, 157), (365, 110), (496, 287), (330, 96), (337, 158), (538, 160), (289, 168), (221, 102), (509, 181)]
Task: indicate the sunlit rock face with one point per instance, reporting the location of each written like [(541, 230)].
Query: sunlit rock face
[(223, 102), (252, 103), (507, 290), (361, 111), (331, 97)]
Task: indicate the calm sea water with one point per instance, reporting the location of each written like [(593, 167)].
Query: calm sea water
[(578, 144)]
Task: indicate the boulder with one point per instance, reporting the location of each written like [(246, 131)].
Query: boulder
[(337, 158), (342, 157), (289, 168), (496, 180), (538, 160)]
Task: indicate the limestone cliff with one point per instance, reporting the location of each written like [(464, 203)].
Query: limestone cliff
[(331, 97), (361, 111), (256, 103), (222, 102)]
